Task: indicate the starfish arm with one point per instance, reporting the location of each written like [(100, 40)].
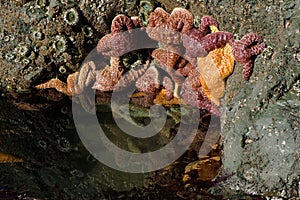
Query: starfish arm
[(85, 77), (196, 97), (181, 20), (158, 17), (56, 84), (206, 22), (257, 49), (7, 158), (117, 44), (251, 38), (216, 40), (241, 52), (245, 50), (149, 82), (193, 46), (103, 45), (131, 76), (248, 69), (186, 69), (165, 57), (168, 85), (121, 23), (136, 22)]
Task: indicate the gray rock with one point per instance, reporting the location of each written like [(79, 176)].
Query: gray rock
[(260, 120)]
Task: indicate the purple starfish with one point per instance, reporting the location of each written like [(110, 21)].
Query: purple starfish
[(246, 50), (198, 42), (120, 39)]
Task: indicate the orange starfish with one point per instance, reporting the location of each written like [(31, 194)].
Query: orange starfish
[(214, 68), (7, 158)]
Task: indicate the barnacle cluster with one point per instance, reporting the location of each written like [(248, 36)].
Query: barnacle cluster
[(45, 36), (195, 73)]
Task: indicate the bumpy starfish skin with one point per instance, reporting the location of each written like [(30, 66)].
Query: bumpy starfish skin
[(246, 49), (119, 41), (165, 57), (206, 22), (107, 78), (216, 40), (132, 76), (191, 40), (156, 23), (121, 23), (171, 60), (193, 94), (168, 85), (199, 47), (149, 82), (115, 45), (204, 28), (167, 28), (181, 20)]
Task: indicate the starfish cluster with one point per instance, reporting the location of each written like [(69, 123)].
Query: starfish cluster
[(193, 62)]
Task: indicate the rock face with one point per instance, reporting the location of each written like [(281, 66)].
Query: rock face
[(260, 118), (260, 121)]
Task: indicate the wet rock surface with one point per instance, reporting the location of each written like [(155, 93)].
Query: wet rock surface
[(260, 120), (43, 39)]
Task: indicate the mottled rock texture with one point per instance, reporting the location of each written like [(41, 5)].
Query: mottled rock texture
[(260, 118)]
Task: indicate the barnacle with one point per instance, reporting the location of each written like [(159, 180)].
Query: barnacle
[(37, 35), (22, 49), (63, 144), (6, 38), (43, 144), (62, 69), (71, 17), (41, 3), (60, 43), (146, 7), (25, 61), (88, 31), (9, 56)]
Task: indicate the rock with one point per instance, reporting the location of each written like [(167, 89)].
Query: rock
[(260, 118)]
